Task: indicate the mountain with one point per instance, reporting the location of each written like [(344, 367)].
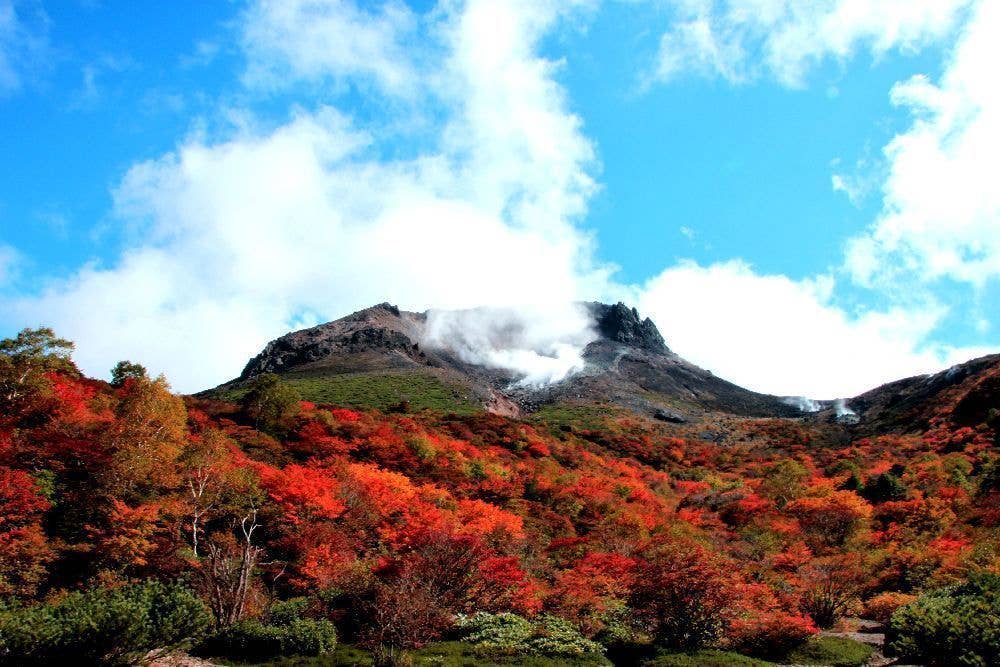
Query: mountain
[(380, 357)]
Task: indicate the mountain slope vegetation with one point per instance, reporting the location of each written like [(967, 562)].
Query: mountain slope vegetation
[(569, 534)]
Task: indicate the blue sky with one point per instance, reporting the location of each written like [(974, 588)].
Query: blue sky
[(799, 195)]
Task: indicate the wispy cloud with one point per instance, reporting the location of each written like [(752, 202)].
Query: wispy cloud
[(24, 45), (741, 40), (328, 40), (237, 235), (93, 80), (10, 260), (204, 53)]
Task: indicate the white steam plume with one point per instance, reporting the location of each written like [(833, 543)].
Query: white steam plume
[(802, 403), (538, 345), (844, 413)]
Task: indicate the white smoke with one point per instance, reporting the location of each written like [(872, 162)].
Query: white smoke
[(840, 405), (844, 413), (538, 345), (803, 404)]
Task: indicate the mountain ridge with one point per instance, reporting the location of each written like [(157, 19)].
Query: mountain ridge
[(627, 365)]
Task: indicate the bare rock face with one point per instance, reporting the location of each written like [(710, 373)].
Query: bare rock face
[(382, 327), (621, 324), (669, 416)]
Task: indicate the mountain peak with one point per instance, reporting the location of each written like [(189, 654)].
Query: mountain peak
[(622, 324)]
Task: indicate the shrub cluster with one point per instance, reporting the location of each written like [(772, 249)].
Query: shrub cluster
[(769, 635), (102, 626), (956, 625), (284, 633), (510, 634), (833, 651)]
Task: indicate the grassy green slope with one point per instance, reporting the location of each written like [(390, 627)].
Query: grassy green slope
[(378, 389)]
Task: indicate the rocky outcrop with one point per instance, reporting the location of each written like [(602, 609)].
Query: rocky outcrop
[(669, 416), (621, 324), (380, 327)]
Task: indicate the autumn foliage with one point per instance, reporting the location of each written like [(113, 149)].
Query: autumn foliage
[(395, 525)]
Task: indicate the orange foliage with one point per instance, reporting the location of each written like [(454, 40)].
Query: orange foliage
[(419, 517)]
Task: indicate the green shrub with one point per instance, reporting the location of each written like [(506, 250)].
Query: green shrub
[(270, 401), (619, 626), (309, 637), (461, 654), (510, 634), (382, 390), (244, 639), (705, 658), (251, 639), (558, 637), (883, 488), (287, 612), (956, 625), (834, 651), (102, 626), (505, 633)]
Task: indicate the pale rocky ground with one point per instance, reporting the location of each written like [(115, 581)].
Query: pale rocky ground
[(180, 660)]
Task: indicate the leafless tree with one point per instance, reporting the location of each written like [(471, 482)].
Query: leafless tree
[(228, 572)]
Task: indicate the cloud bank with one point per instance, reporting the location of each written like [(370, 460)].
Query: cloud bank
[(236, 237), (941, 214), (788, 337), (237, 240)]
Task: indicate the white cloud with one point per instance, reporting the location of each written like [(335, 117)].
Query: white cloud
[(236, 240), (23, 42), (786, 337), (203, 53), (9, 260), (858, 183), (738, 40), (324, 40), (941, 215), (94, 84)]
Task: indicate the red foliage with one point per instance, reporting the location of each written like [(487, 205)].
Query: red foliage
[(418, 517), (304, 493)]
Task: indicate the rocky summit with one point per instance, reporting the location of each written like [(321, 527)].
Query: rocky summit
[(622, 324)]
